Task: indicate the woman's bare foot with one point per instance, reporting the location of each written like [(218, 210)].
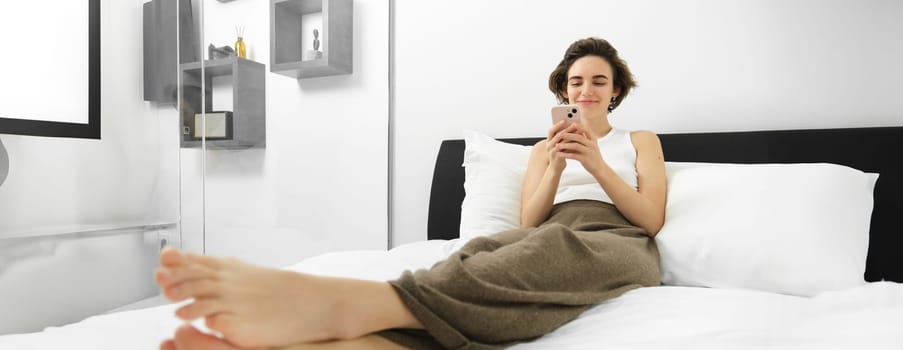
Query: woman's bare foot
[(253, 306), (189, 338)]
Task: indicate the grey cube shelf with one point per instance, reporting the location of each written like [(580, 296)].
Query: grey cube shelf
[(336, 37), (248, 101)]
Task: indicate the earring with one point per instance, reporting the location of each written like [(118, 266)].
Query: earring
[(611, 105)]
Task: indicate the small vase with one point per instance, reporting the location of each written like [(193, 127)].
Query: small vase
[(240, 48)]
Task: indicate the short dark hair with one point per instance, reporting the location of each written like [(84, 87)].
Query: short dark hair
[(623, 79)]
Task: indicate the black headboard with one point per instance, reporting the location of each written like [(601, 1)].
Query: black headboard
[(878, 150)]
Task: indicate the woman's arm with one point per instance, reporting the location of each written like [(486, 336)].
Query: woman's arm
[(644, 207), (541, 180)]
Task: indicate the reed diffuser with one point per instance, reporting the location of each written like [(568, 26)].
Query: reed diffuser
[(240, 50)]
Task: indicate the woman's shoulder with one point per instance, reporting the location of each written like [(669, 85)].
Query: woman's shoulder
[(644, 139), (642, 133)]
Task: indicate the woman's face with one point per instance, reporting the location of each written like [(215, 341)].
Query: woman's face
[(590, 84)]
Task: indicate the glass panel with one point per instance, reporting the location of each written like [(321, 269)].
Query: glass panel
[(191, 77)]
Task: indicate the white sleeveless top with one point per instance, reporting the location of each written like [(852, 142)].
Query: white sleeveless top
[(577, 183)]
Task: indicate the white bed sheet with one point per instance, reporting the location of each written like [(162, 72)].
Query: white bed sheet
[(866, 317)]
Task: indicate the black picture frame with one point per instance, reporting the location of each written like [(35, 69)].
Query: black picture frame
[(91, 130)]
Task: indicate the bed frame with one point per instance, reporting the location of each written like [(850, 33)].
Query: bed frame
[(867, 149)]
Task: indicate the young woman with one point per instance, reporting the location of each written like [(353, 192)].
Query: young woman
[(593, 199)]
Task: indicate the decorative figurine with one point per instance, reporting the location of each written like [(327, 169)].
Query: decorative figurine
[(316, 40), (315, 53)]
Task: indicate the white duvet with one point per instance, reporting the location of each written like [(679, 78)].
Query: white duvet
[(865, 317)]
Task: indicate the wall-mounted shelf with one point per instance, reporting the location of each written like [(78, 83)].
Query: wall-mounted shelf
[(248, 101), (336, 34), (168, 41)]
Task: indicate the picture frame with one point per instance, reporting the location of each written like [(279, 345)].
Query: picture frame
[(35, 125)]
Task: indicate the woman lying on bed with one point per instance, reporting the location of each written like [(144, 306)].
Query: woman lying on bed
[(593, 198)]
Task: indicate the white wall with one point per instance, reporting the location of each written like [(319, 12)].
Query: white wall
[(320, 183), (61, 186), (702, 65)]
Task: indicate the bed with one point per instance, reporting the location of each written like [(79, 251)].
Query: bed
[(765, 307)]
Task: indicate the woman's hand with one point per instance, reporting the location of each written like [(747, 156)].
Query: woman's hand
[(579, 143), (553, 139)]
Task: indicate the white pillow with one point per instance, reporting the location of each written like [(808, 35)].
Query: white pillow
[(493, 177), (798, 229), (792, 228)]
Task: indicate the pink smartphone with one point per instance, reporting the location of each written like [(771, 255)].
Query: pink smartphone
[(568, 113)]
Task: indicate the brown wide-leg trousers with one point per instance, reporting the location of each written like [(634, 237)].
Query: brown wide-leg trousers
[(518, 285)]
